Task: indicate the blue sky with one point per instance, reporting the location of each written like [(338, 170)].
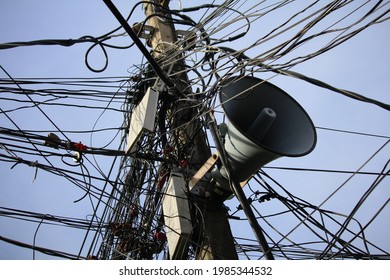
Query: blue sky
[(360, 65)]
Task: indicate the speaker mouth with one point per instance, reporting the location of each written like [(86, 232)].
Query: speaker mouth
[(267, 116)]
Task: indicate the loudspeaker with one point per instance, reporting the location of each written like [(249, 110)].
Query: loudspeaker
[(264, 123)]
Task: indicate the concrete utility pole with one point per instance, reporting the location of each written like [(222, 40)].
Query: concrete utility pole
[(214, 237)]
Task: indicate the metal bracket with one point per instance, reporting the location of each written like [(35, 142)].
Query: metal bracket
[(196, 189), (146, 32)]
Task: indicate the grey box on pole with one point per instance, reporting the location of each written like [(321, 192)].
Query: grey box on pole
[(177, 217)]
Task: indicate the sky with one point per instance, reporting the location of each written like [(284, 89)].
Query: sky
[(359, 65)]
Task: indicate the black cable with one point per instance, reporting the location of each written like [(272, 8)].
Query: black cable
[(237, 190), (352, 132), (357, 206), (48, 42), (299, 208), (47, 117), (163, 76), (43, 250), (323, 170)]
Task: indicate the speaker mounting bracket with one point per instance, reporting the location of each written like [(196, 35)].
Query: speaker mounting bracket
[(194, 187)]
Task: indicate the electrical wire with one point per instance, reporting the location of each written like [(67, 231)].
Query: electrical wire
[(126, 191)]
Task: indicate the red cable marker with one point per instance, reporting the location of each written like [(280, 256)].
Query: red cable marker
[(80, 147)]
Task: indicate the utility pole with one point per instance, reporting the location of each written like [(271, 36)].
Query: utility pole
[(214, 236)]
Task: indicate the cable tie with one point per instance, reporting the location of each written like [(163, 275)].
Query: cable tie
[(33, 163)]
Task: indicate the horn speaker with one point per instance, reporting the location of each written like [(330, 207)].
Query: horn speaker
[(264, 123)]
